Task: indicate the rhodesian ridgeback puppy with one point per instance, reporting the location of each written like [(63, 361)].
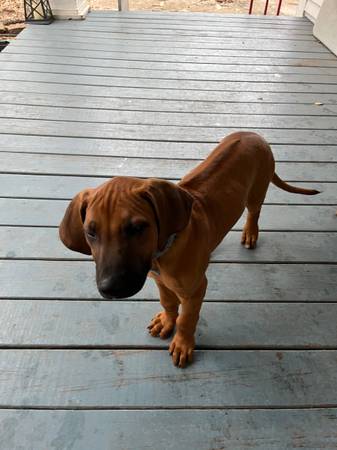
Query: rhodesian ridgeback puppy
[(138, 227)]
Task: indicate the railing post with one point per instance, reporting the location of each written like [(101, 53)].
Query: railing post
[(123, 5), (251, 4)]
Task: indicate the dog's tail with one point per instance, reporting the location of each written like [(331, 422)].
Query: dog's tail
[(289, 188)]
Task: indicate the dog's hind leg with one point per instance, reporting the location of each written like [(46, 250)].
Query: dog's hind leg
[(256, 197), (250, 231), (163, 323)]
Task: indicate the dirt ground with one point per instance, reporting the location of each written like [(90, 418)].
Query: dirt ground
[(12, 12)]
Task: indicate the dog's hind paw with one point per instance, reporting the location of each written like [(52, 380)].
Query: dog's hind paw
[(249, 238)]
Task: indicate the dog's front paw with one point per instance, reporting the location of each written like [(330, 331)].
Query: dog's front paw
[(162, 324), (181, 349)]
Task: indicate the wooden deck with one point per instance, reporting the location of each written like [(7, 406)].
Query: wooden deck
[(150, 94)]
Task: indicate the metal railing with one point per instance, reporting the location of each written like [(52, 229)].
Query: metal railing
[(266, 7)]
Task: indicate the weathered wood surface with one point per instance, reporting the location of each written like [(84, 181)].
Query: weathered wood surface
[(75, 280), (41, 212), (147, 378), (152, 149), (167, 74), (140, 167), (167, 118), (44, 243), (195, 69), (178, 32), (210, 429), (204, 18), (290, 63), (59, 87), (160, 53), (151, 94), (195, 32), (190, 40), (157, 83), (65, 187), (189, 108), (122, 324), (168, 133)]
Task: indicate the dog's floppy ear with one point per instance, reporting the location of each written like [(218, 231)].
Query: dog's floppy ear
[(71, 228), (172, 207)]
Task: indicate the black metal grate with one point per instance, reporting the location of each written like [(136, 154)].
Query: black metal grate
[(38, 11)]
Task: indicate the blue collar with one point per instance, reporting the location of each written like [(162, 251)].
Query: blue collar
[(167, 246)]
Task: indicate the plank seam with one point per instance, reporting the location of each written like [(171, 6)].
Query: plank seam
[(138, 77), (167, 100), (131, 124), (322, 406), (326, 52), (100, 155), (206, 113), (179, 61)]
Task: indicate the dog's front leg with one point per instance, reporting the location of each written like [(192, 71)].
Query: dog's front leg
[(163, 323), (183, 343)]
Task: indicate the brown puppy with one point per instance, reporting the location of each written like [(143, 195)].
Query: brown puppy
[(134, 228)]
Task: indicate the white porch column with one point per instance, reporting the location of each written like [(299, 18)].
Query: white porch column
[(123, 5), (69, 9)]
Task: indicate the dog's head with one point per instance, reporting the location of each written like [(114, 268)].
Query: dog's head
[(123, 224)]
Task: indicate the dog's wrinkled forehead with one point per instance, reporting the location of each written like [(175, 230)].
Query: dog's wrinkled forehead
[(118, 199)]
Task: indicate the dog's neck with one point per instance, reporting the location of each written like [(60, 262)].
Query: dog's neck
[(167, 246)]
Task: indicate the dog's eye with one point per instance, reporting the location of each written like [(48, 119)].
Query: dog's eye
[(91, 234), (137, 228)]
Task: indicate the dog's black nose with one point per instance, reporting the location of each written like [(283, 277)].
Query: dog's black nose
[(121, 286), (105, 288)]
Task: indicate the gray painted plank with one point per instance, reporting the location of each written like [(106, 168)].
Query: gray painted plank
[(188, 39), (85, 430), (182, 29), (122, 378), (166, 94), (152, 149), (44, 323), (79, 114), (161, 53), (230, 28), (100, 58), (100, 105), (65, 187), (28, 212), (164, 74), (75, 280), (168, 133), (181, 66), (181, 26), (44, 243), (145, 83), (139, 167), (204, 17), (147, 30), (200, 19)]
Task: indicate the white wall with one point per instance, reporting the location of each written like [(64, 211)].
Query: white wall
[(309, 9)]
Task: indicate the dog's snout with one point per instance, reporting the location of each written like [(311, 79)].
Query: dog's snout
[(110, 286), (105, 286), (121, 284)]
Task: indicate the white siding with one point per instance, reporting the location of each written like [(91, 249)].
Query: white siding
[(310, 8)]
